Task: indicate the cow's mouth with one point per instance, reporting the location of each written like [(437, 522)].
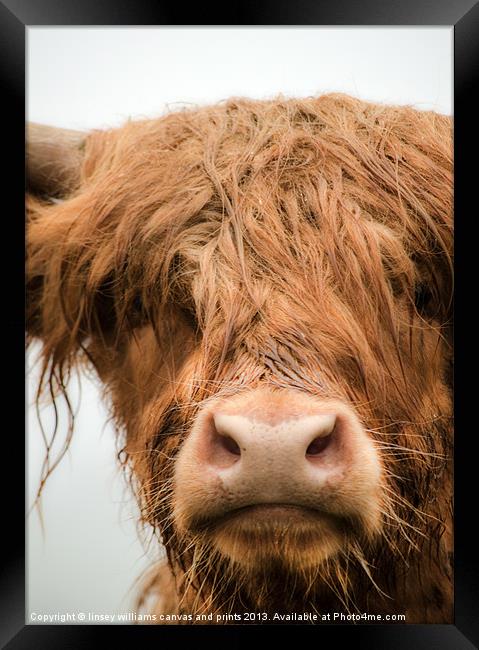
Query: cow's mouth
[(261, 534), (265, 515)]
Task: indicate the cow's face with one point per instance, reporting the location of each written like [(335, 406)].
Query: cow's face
[(296, 404), (264, 289)]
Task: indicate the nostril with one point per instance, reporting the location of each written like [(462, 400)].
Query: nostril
[(228, 431), (230, 445), (324, 428), (318, 445)]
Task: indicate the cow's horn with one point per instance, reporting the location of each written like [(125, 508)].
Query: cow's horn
[(53, 159)]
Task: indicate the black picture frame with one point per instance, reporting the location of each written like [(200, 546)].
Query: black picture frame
[(15, 17)]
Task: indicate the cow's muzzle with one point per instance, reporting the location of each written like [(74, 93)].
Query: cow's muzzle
[(272, 465)]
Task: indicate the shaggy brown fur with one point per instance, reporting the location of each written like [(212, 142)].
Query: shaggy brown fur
[(301, 244)]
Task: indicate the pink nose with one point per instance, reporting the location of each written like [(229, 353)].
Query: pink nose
[(303, 437), (276, 459)]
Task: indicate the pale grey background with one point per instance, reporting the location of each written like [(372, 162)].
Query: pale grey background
[(89, 555)]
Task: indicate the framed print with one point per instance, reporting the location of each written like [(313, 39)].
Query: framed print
[(243, 308)]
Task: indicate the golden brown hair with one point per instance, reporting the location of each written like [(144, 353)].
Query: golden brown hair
[(304, 244)]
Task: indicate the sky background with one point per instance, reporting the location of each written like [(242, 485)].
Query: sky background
[(88, 554)]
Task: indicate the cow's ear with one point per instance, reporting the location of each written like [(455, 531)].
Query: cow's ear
[(53, 163), (434, 252), (59, 311)]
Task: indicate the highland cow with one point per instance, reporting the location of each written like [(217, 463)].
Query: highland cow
[(264, 289)]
